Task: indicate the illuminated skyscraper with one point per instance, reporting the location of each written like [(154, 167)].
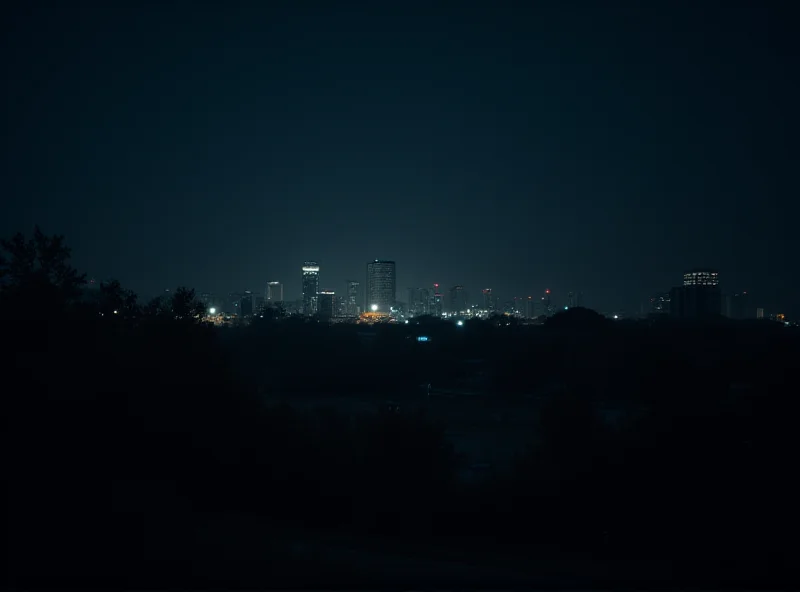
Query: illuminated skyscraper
[(274, 292), (351, 308), (698, 297), (381, 290), (310, 287), (701, 277)]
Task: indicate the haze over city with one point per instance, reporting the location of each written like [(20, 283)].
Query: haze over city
[(600, 147)]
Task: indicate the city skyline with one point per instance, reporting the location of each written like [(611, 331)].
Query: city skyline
[(698, 296), (352, 298), (600, 150)]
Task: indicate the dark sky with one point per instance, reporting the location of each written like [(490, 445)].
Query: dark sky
[(600, 146)]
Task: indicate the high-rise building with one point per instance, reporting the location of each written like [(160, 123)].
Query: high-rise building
[(698, 297), (701, 277), (310, 287), (351, 308), (738, 306), (274, 292), (539, 308), (327, 304), (530, 311), (258, 304), (340, 307), (419, 301), (435, 307), (381, 290), (518, 306), (489, 303), (547, 303), (246, 304), (458, 300)]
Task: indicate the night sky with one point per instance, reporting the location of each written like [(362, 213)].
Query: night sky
[(603, 147)]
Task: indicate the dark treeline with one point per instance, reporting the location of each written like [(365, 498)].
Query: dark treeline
[(131, 436)]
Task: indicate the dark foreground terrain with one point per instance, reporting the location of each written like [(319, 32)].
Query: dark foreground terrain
[(135, 456), (145, 448)]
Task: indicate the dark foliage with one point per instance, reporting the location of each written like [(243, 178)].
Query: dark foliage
[(35, 276), (132, 436)]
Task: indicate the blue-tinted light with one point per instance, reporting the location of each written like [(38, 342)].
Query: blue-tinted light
[(422, 338)]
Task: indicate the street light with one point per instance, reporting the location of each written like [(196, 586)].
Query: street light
[(212, 310), (374, 308)]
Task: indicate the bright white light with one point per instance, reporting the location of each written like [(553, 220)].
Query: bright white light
[(406, 322), (460, 323), (212, 310), (374, 308), (616, 317), (115, 312)]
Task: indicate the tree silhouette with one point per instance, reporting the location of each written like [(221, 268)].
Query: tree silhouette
[(578, 318), (180, 306), (268, 316), (116, 300), (36, 279), (185, 307)]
